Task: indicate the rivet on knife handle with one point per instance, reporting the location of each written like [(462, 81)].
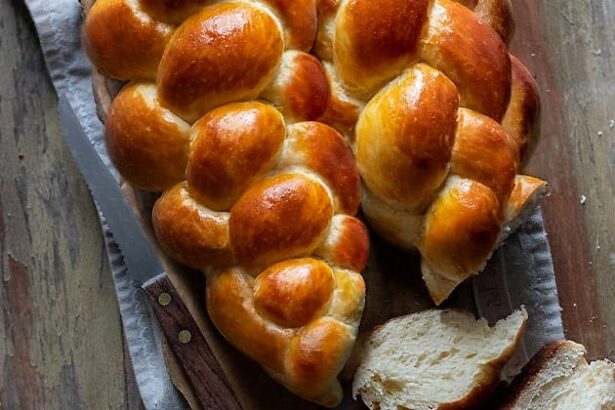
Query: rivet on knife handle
[(187, 342)]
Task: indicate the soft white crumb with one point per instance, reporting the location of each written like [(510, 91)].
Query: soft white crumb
[(583, 200)]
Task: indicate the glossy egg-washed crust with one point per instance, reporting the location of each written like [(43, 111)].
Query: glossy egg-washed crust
[(440, 117), (219, 114)]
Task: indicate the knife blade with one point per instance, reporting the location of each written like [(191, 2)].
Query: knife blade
[(493, 302), (205, 374), (139, 257)]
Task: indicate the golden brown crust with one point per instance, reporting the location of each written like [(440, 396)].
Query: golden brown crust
[(406, 156), (315, 350), (465, 212), (393, 221), (258, 193), (307, 358), (171, 11), (405, 136), (533, 368), (148, 144), (239, 321), (374, 41), (285, 209), (226, 52), (321, 149), (341, 115), (279, 218), (308, 283), (189, 232), (484, 152), (323, 47), (122, 42), (495, 13), (346, 245), (522, 118), (526, 189), (232, 146), (471, 54), (342, 112), (301, 89), (299, 21)]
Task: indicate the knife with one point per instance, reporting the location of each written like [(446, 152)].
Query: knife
[(203, 371), (493, 301)]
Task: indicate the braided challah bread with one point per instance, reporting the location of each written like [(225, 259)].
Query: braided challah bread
[(264, 212), (258, 198), (440, 117), (220, 112)]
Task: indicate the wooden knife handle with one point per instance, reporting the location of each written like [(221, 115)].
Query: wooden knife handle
[(206, 377)]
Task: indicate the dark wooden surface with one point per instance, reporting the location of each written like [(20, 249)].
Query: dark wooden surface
[(61, 345), (60, 335), (569, 45)]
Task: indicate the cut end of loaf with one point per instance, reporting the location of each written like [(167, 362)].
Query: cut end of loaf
[(559, 377), (442, 279), (439, 287), (435, 359), (527, 194)]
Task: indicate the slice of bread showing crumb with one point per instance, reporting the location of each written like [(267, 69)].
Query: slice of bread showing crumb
[(559, 378), (436, 359)]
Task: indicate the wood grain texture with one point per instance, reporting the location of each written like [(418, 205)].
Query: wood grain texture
[(183, 335), (61, 345), (569, 46)]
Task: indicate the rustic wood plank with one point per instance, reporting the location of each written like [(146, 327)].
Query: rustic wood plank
[(568, 45), (61, 345)]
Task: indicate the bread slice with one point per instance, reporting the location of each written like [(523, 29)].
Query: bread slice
[(436, 359), (560, 378)]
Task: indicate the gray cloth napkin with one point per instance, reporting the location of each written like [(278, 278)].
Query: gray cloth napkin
[(520, 273)]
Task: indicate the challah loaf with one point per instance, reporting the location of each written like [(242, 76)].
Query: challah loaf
[(559, 378), (260, 197), (436, 359), (444, 117), (256, 196)]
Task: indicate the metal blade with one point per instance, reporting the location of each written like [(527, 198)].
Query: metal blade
[(140, 259), (494, 301)]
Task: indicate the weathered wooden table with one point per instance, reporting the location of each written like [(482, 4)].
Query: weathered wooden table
[(61, 344)]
